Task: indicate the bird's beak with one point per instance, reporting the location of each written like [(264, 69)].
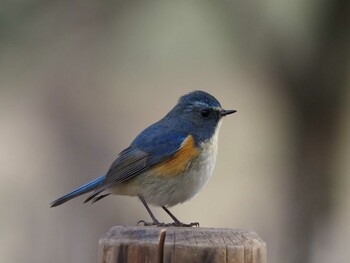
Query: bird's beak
[(227, 112)]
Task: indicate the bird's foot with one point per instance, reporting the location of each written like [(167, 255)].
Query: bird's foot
[(154, 223), (196, 224), (176, 224)]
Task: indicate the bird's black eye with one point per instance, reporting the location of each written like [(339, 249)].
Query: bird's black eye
[(205, 113)]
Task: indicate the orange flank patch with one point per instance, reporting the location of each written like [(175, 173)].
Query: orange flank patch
[(180, 160)]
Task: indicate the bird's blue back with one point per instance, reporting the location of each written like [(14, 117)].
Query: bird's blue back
[(160, 141)]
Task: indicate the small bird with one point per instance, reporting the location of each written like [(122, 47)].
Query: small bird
[(168, 162)]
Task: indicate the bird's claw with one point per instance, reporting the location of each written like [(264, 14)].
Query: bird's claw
[(175, 224), (148, 223), (196, 224)]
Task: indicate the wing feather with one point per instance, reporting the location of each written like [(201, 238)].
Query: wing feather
[(128, 164)]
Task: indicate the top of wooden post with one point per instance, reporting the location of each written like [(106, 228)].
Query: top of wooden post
[(181, 245)]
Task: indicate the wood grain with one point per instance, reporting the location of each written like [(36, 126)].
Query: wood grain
[(179, 245)]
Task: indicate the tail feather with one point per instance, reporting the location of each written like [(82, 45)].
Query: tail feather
[(79, 191), (99, 197)]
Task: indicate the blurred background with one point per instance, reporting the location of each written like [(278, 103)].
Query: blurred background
[(80, 79)]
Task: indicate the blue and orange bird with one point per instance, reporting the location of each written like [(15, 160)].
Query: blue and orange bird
[(168, 162)]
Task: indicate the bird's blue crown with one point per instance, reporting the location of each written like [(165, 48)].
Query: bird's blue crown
[(199, 97)]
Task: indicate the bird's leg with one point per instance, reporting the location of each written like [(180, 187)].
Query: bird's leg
[(171, 215), (155, 221), (177, 222)]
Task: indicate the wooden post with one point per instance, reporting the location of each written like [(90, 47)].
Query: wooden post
[(180, 245)]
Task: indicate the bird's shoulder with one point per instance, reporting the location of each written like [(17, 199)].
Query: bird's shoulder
[(162, 141)]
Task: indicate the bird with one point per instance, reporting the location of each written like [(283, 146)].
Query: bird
[(168, 162)]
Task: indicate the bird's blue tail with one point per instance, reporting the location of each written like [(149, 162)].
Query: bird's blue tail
[(79, 191)]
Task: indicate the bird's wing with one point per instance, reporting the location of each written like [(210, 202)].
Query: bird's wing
[(149, 149)]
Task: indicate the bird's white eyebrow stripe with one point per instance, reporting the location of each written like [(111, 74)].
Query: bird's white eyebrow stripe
[(199, 103), (217, 108)]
